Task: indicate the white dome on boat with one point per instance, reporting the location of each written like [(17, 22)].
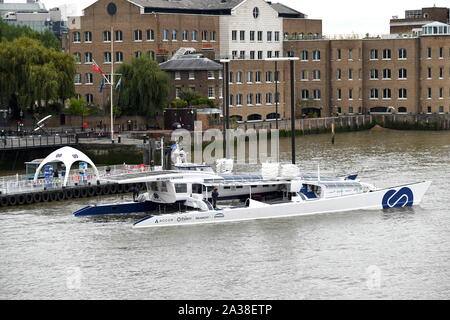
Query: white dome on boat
[(68, 156)]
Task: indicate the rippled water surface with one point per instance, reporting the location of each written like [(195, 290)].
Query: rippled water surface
[(46, 253)]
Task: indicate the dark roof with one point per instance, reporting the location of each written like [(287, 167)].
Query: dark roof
[(286, 12), (194, 6), (190, 63)]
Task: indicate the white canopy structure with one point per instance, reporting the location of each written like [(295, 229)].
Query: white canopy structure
[(68, 156)]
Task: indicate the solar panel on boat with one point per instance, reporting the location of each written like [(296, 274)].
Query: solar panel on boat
[(140, 175)]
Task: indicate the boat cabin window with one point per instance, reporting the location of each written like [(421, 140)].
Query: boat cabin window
[(154, 186), (197, 188), (181, 188), (163, 186)]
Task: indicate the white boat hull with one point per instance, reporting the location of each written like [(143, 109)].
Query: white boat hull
[(402, 196)]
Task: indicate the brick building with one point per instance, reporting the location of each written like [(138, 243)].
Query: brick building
[(246, 31)]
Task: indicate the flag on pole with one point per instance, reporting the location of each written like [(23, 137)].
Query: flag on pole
[(97, 68), (118, 83), (102, 85)]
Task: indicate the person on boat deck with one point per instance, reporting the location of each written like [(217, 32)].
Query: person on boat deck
[(215, 197), (135, 193)]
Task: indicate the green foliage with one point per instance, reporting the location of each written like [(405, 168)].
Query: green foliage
[(33, 75), (179, 104), (144, 87), (191, 98), (10, 33), (78, 107)]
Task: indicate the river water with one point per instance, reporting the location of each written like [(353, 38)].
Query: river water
[(46, 253)]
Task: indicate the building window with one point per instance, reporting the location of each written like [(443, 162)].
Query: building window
[(231, 99), (339, 74), (402, 74), (249, 77), (373, 54), (429, 53), (316, 75), (338, 54), (242, 55), (441, 93), (106, 36), (441, 73), (256, 12), (316, 55), (316, 94), (260, 55), (191, 75), (268, 76), (151, 54), (212, 36), (304, 75), (260, 36), (268, 98), (88, 57), (373, 94), (304, 55), (258, 99), (204, 35), (88, 36), (118, 35), (194, 35), (89, 78), (402, 93), (177, 93), (350, 54), (252, 55), (211, 75), (252, 36), (387, 74), (234, 35), (239, 99), (137, 35), (402, 53), (230, 77), (239, 77), (277, 36), (269, 54), (165, 35), (119, 56), (177, 75), (77, 57), (429, 109), (350, 110), (234, 54), (76, 37), (106, 57), (89, 98), (77, 78), (387, 94), (305, 94), (387, 55), (250, 99), (350, 74), (441, 53), (374, 74), (211, 93), (350, 94), (150, 35), (339, 94), (269, 36), (174, 35), (441, 109), (242, 35), (137, 54), (258, 76)]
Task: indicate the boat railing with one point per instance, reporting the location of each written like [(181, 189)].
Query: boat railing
[(23, 183)]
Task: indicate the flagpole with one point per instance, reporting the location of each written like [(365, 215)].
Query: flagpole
[(112, 84)]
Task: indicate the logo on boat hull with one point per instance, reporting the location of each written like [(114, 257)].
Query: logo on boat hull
[(398, 199)]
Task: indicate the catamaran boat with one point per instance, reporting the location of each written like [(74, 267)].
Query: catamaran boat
[(296, 197), (184, 197)]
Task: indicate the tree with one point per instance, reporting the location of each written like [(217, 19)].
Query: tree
[(34, 75), (46, 38), (144, 87)]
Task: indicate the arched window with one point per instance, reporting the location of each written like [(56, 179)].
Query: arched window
[(150, 35), (254, 117), (273, 116), (76, 37), (236, 118), (402, 110)]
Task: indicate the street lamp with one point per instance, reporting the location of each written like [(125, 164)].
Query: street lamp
[(292, 76)]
